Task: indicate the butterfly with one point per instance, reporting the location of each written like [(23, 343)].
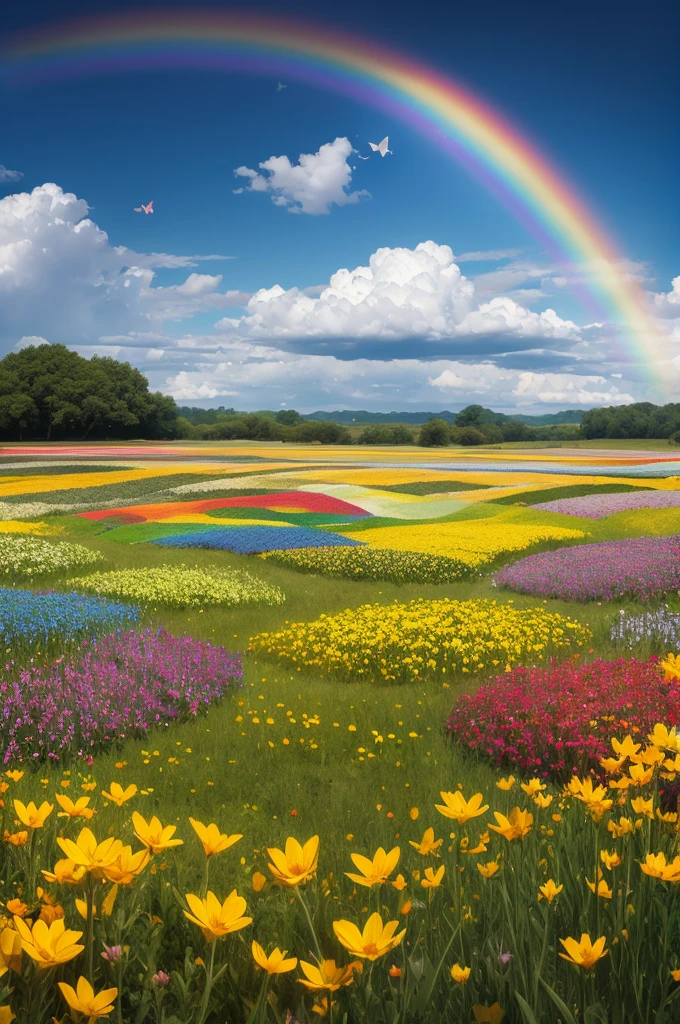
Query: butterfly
[(145, 209), (381, 147)]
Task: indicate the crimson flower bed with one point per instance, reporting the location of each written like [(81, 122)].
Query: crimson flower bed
[(557, 720)]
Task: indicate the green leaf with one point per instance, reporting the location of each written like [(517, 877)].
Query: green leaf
[(559, 1003), (527, 1012)]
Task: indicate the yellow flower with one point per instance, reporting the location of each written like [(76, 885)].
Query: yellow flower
[(413, 814), (32, 816), (16, 907), (533, 786), (594, 797), (487, 1014), (15, 775), (216, 919), (83, 1000), (428, 844), (642, 806), (610, 860), (584, 953), (69, 809), (640, 775), (89, 854), (488, 869), (326, 975), (10, 951), (375, 940), (624, 826), (127, 865), (259, 881), (433, 879), (48, 945), (276, 962), (297, 863), (376, 871), (612, 764), (663, 737), (675, 975), (212, 839), (399, 883), (543, 801), (460, 974), (625, 748), (603, 889), (671, 667), (6, 1015), (117, 795), (65, 873), (16, 838), (656, 866), (550, 890), (506, 784), (517, 826), (461, 810), (153, 834)]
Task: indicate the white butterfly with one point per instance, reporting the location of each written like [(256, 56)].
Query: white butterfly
[(381, 147), (280, 86)]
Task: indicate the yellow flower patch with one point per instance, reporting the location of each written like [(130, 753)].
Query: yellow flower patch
[(36, 529), (475, 542)]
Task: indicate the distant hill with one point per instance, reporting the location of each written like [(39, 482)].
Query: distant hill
[(350, 416)]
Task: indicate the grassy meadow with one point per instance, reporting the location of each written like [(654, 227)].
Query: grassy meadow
[(295, 751)]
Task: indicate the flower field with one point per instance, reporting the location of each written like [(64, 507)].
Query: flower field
[(642, 567), (181, 586), (379, 564), (423, 640), (339, 765)]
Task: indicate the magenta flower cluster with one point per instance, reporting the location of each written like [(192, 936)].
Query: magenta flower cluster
[(120, 686), (639, 567), (558, 720), (599, 506)]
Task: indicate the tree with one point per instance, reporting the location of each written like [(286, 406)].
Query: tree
[(288, 417), (49, 393), (435, 433), (515, 430), (471, 415), (469, 436), (380, 433)]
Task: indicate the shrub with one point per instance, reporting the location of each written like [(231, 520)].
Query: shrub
[(559, 719)]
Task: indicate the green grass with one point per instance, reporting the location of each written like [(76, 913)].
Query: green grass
[(421, 487)]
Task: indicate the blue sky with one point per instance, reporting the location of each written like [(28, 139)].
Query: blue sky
[(593, 85)]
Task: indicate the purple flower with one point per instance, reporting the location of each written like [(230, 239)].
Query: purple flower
[(161, 979), (112, 953)]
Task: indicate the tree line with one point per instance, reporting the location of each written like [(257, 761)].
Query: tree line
[(49, 393)]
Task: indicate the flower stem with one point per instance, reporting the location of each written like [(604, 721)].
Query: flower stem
[(317, 947), (89, 930), (205, 1003)]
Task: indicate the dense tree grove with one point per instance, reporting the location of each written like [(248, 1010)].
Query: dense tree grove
[(49, 393), (632, 421)]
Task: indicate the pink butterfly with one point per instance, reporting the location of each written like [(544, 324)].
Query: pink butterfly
[(145, 209)]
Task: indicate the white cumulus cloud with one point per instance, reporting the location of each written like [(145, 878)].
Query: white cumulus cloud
[(312, 185), (402, 293)]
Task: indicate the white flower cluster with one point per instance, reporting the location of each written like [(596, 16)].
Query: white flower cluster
[(32, 556)]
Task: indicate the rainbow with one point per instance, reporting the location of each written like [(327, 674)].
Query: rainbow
[(439, 108)]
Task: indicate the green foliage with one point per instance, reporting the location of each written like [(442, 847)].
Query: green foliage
[(384, 434), (49, 393), (435, 433), (642, 419)]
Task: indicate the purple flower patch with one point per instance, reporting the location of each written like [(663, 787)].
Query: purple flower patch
[(640, 567)]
